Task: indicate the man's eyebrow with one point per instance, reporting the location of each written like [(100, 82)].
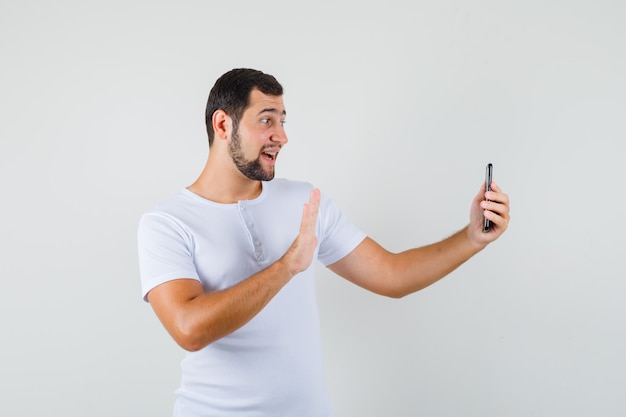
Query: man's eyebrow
[(272, 110)]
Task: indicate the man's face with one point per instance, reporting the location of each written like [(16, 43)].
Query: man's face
[(259, 136)]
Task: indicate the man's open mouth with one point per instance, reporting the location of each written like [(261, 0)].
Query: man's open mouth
[(270, 155)]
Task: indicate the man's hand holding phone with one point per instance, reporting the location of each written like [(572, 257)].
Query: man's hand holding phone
[(490, 211)]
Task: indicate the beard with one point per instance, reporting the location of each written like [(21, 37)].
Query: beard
[(251, 168)]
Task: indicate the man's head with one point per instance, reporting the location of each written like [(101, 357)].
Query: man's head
[(231, 93)]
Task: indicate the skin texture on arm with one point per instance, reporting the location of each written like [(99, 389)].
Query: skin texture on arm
[(195, 318), (398, 274)]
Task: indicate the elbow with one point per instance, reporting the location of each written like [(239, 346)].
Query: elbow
[(389, 291), (395, 293), (402, 291), (190, 338), (400, 288), (392, 288), (189, 344)]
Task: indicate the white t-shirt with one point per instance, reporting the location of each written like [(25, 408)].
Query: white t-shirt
[(272, 366)]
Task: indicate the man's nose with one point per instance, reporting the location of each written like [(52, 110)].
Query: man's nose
[(280, 136)]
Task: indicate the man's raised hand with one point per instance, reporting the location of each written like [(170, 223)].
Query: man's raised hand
[(300, 254)]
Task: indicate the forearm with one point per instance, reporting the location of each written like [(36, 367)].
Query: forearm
[(209, 316), (415, 269)]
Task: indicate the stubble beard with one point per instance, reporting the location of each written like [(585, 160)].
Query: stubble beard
[(252, 169)]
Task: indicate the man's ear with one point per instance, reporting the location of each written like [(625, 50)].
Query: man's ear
[(222, 124)]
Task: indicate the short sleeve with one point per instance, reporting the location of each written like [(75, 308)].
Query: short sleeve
[(166, 251), (338, 236)]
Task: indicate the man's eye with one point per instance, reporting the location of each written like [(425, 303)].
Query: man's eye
[(268, 121)]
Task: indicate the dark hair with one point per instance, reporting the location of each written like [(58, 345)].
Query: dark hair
[(231, 93)]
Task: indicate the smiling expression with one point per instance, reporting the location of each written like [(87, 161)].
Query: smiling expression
[(259, 136)]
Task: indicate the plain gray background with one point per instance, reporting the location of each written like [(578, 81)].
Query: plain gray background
[(394, 109)]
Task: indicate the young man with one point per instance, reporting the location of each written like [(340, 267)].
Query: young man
[(227, 263)]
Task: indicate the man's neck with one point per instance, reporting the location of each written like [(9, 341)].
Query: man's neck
[(225, 184)]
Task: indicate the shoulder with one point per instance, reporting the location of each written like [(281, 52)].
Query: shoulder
[(174, 212), (166, 204)]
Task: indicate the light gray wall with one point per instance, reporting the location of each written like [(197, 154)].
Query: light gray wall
[(394, 109)]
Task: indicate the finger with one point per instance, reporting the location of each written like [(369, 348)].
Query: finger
[(314, 199), (493, 207), (309, 215), (499, 198), (308, 219), (496, 201), (495, 192), (500, 222), (313, 204), (497, 195), (497, 213)]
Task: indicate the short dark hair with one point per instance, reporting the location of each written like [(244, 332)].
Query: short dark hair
[(231, 93)]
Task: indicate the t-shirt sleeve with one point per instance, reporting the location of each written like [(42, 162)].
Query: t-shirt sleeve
[(166, 251), (337, 235)]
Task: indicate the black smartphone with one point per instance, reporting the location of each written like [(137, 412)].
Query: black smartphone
[(488, 179)]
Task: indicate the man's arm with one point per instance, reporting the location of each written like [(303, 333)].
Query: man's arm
[(195, 318), (374, 268)]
